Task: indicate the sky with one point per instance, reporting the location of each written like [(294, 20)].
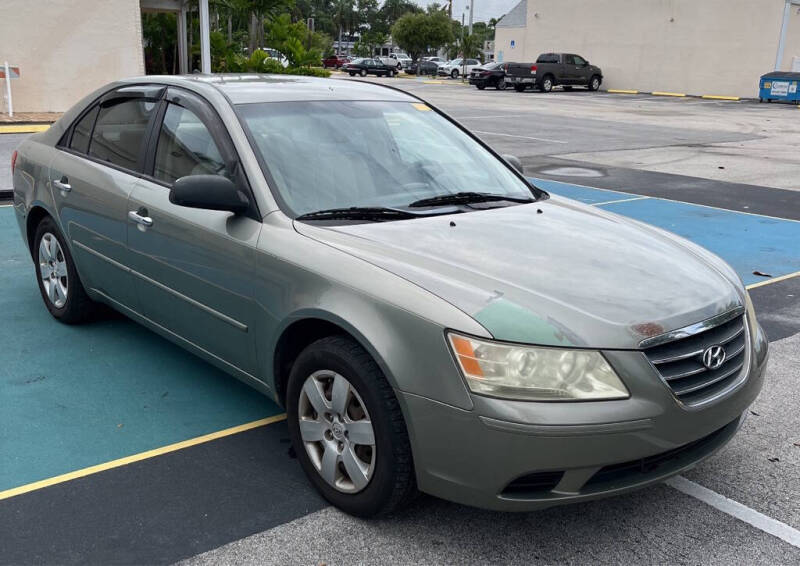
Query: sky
[(484, 9)]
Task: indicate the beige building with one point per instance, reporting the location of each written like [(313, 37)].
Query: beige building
[(67, 48), (717, 47)]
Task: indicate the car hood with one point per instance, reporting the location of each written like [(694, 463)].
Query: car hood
[(554, 272)]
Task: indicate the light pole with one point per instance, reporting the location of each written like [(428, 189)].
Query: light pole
[(205, 47), (782, 38), (471, 9)]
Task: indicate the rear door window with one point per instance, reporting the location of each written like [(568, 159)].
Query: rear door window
[(82, 132), (120, 131)]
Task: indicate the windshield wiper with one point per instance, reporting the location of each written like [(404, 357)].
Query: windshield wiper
[(376, 213), (466, 197)]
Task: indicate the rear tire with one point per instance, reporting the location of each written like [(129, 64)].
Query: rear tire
[(594, 83), (390, 74), (352, 74), (546, 84), (363, 72), (390, 481), (481, 87), (501, 85), (61, 288)]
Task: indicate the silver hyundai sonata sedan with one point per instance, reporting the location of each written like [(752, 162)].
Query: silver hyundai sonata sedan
[(429, 319)]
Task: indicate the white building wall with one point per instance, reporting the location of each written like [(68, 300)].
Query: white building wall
[(67, 48), (716, 47)]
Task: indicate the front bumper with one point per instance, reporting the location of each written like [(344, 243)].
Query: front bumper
[(519, 456)]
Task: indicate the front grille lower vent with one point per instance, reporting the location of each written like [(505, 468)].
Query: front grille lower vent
[(680, 361)]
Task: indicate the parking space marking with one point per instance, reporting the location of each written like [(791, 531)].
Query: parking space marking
[(774, 280), (8, 493), (619, 200), (747, 241), (537, 181), (735, 509), (520, 137)]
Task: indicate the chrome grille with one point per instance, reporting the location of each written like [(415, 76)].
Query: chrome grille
[(680, 360)]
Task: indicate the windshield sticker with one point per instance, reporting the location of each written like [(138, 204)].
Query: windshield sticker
[(421, 107)]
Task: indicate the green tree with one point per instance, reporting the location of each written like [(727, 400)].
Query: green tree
[(390, 12), (418, 33), (301, 47)]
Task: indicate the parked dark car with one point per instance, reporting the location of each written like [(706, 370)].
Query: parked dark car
[(554, 69), (366, 67), (335, 61), (491, 74), (423, 68)]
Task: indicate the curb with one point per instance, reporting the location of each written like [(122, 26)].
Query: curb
[(23, 128), (680, 95)]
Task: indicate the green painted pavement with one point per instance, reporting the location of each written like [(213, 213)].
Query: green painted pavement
[(76, 396)]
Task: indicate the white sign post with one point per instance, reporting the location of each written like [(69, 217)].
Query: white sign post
[(8, 90), (9, 72)]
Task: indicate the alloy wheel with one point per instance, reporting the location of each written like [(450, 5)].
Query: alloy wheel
[(337, 431), (53, 270)]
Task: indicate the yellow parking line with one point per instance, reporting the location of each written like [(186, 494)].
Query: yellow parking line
[(433, 82), (138, 457), (774, 280), (23, 128), (622, 91), (718, 97), (660, 93)]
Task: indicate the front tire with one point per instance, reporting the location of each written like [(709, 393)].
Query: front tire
[(61, 288), (501, 85), (594, 83), (481, 87), (454, 74), (347, 429)]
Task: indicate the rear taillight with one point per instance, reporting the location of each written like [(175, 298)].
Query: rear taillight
[(533, 68), (13, 161)]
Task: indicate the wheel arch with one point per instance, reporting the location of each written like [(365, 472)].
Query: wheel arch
[(305, 328), (35, 215)]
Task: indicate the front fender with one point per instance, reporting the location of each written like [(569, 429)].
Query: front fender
[(400, 324)]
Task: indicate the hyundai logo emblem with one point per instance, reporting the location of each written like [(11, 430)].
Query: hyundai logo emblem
[(714, 357)]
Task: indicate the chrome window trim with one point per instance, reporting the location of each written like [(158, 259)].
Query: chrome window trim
[(692, 329)]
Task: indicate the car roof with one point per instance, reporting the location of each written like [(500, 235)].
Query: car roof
[(249, 88)]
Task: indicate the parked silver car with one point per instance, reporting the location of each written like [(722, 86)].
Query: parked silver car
[(428, 318)]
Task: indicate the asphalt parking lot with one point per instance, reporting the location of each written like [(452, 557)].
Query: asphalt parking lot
[(118, 447)]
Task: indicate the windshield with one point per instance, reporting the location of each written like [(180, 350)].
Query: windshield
[(493, 66), (338, 154)]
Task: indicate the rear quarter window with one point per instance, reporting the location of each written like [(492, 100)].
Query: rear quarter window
[(82, 132)]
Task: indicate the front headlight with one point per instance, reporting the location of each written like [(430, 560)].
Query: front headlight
[(533, 373)]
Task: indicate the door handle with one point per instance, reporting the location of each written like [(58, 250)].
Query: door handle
[(145, 221), (63, 184)]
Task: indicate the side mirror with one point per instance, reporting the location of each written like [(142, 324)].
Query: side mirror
[(210, 192), (514, 161)]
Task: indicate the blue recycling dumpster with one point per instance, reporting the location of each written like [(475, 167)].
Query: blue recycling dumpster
[(779, 85)]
